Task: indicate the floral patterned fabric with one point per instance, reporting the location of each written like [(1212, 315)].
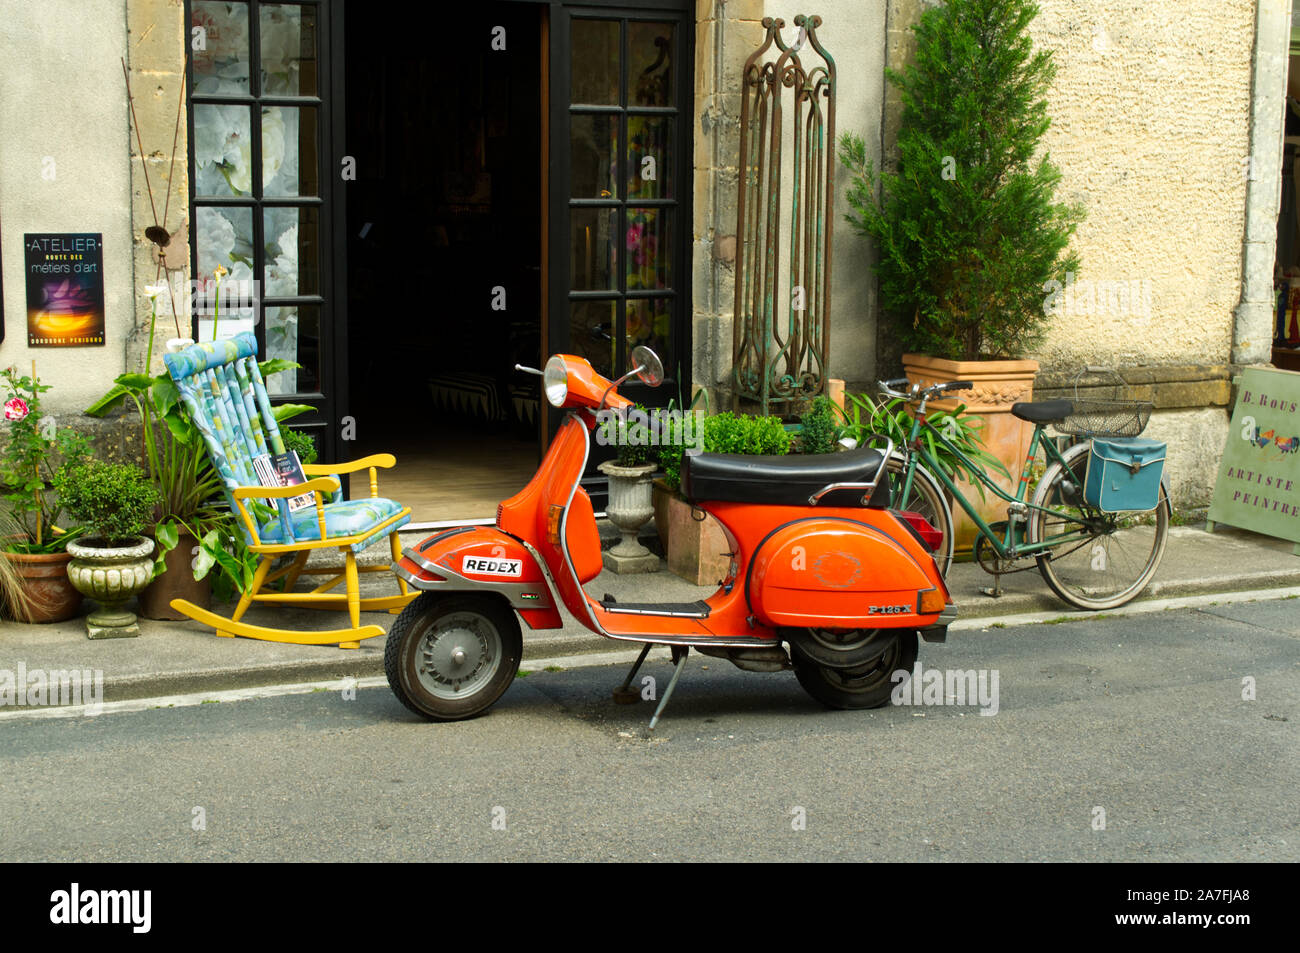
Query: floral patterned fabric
[(223, 392), (341, 519)]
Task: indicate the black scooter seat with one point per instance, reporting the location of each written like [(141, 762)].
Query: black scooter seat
[(781, 480)]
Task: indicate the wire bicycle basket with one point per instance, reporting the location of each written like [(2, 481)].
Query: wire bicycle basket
[(1104, 416)]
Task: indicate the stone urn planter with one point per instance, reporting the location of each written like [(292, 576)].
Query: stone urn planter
[(997, 385), (111, 575), (50, 594), (696, 549), (630, 507)]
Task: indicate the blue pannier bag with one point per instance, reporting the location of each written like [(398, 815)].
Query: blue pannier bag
[(1124, 474)]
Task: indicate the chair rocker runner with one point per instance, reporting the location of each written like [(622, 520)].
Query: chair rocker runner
[(222, 389)]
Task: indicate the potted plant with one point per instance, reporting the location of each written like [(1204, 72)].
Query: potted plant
[(820, 427), (115, 502), (696, 547), (968, 233), (33, 543), (631, 485)]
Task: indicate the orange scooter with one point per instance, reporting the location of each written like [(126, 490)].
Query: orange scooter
[(819, 563)]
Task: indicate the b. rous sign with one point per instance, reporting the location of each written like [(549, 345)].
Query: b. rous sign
[(1258, 487)]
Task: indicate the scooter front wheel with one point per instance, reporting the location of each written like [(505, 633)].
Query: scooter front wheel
[(864, 686), (451, 657)]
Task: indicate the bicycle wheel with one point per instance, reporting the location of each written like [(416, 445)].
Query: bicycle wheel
[(927, 498), (1104, 559)]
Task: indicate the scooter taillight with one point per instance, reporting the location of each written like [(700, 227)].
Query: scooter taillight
[(920, 526)]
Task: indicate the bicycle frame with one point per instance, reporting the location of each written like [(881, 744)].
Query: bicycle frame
[(1008, 546)]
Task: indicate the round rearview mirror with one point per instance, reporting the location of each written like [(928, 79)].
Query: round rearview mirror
[(650, 370)]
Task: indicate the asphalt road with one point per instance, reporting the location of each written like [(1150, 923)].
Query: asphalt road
[(1141, 717)]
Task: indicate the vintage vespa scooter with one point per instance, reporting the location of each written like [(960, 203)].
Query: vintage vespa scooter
[(818, 563)]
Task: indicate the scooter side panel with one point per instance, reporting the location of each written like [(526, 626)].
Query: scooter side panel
[(837, 573), (482, 559)]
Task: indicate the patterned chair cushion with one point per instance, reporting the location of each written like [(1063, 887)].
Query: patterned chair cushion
[(349, 518)]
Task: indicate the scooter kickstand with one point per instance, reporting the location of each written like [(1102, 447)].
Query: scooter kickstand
[(677, 673), (625, 694)]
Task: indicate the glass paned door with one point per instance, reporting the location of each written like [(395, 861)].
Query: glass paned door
[(624, 249), (257, 141)]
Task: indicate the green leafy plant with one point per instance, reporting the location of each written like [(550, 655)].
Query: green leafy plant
[(629, 433), (893, 419), (34, 446), (968, 233), (300, 443), (820, 427), (224, 550), (727, 433), (115, 501)]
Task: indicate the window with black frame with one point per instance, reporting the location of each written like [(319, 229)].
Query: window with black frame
[(255, 179), (625, 185)]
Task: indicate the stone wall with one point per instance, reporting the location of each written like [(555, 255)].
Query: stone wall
[(1152, 113), (70, 163), (156, 48), (64, 167)]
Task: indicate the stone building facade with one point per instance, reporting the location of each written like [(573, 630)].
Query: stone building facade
[(1167, 124)]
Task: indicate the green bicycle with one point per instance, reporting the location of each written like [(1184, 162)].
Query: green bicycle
[(1089, 558)]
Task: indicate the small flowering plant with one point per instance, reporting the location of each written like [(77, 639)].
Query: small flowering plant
[(32, 449)]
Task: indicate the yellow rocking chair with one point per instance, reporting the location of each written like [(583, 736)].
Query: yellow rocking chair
[(222, 388)]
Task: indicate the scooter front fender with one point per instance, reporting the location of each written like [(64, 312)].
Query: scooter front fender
[(482, 559)]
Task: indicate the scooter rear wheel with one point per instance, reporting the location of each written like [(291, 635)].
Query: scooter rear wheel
[(865, 686), (451, 657)]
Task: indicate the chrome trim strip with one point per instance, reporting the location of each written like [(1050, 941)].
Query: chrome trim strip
[(723, 641), (564, 527), (663, 615), (947, 616), (869, 487)]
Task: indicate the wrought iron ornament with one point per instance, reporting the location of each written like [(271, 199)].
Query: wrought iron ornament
[(779, 361)]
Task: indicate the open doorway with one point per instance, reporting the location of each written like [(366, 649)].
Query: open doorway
[(444, 253)]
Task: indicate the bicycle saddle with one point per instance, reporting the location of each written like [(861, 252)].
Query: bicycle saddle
[(1043, 411)]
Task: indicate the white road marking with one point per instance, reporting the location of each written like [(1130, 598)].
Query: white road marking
[(593, 659), (1133, 608)]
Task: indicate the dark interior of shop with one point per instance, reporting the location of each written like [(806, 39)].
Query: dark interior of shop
[(444, 253)]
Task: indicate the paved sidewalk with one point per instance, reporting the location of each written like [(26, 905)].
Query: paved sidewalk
[(183, 657)]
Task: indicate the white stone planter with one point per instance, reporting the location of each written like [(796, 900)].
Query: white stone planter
[(111, 575), (631, 504)]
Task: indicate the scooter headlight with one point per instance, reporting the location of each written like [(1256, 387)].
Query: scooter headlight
[(555, 381)]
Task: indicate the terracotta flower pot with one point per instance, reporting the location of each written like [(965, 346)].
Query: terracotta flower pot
[(998, 385), (51, 595), (176, 582), (696, 549)]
